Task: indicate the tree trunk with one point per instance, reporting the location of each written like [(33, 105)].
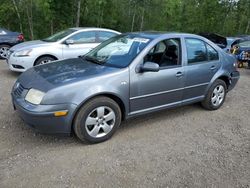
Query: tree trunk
[(133, 20), (18, 15), (78, 13), (30, 19), (142, 19), (51, 27), (247, 28)]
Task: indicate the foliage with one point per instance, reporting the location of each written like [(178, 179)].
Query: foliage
[(40, 18)]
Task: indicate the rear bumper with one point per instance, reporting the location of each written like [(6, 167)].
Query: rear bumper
[(235, 76), (41, 117)]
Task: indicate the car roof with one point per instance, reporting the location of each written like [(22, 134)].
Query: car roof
[(90, 28), (159, 34)]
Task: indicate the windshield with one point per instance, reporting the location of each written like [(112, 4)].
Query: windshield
[(58, 36), (118, 51)]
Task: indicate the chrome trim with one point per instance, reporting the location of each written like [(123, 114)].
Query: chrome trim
[(155, 108), (163, 92), (166, 105), (157, 93)]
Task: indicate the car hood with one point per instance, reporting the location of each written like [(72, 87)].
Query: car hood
[(58, 73), (30, 45)]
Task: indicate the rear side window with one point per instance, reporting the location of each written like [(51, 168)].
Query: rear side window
[(105, 35), (199, 51), (196, 51), (211, 53), (84, 37)]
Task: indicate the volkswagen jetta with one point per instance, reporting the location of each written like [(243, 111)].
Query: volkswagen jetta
[(126, 76)]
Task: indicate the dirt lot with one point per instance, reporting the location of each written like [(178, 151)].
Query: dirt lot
[(183, 147)]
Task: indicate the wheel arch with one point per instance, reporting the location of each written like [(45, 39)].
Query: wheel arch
[(6, 43), (113, 96), (44, 55), (226, 79)]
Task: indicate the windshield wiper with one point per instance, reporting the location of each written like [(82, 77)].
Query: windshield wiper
[(92, 59)]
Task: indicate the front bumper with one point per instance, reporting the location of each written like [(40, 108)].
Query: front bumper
[(235, 76), (41, 117), (20, 64)]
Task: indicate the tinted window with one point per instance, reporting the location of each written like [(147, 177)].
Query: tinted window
[(212, 53), (105, 35), (165, 53), (84, 37), (196, 51)]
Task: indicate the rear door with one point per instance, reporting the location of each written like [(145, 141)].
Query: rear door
[(83, 42), (202, 63)]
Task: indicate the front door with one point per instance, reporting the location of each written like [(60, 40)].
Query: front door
[(155, 90), (81, 43)]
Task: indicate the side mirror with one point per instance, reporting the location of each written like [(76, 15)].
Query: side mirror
[(69, 41), (149, 67)]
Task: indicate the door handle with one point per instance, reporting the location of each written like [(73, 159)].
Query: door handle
[(179, 74), (213, 67)]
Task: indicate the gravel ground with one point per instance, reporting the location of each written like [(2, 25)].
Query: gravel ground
[(183, 147)]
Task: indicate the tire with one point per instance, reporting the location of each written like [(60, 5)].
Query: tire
[(99, 127), (215, 96), (44, 60), (4, 48)]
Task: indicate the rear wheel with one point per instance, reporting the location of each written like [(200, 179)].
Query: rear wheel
[(215, 96), (97, 120), (44, 60), (4, 49)]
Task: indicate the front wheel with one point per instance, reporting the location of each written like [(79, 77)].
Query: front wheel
[(44, 60), (215, 96), (97, 120)]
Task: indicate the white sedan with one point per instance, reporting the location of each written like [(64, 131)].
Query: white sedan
[(69, 43)]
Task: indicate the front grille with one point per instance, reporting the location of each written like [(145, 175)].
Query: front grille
[(18, 90)]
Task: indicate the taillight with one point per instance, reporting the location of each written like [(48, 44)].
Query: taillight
[(20, 37)]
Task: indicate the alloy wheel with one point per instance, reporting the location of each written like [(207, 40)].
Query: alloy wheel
[(100, 121), (4, 51), (218, 95)]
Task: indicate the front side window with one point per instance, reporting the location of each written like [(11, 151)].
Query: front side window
[(105, 35), (84, 37), (60, 35), (165, 53), (118, 51)]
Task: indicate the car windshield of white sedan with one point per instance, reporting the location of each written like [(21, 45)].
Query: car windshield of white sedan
[(58, 36), (118, 51)]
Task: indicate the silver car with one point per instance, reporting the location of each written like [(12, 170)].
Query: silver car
[(69, 43)]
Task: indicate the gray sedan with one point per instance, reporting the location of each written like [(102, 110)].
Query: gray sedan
[(128, 75)]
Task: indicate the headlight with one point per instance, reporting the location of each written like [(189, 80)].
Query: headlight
[(22, 53), (34, 96)]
